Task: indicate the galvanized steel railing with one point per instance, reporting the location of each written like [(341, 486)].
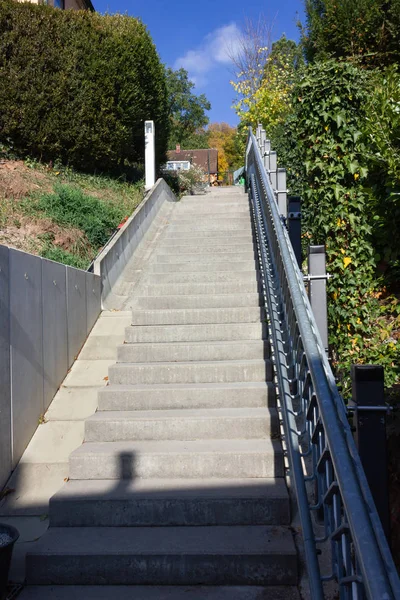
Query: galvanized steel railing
[(332, 492)]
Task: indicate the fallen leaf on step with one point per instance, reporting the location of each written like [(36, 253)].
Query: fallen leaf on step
[(6, 492)]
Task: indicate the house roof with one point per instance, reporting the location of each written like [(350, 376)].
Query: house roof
[(201, 158)]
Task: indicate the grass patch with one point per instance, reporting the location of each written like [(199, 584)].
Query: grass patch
[(58, 213), (71, 207)]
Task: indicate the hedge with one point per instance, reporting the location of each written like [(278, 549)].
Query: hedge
[(77, 86)]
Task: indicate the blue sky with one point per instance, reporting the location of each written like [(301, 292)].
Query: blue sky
[(200, 36)]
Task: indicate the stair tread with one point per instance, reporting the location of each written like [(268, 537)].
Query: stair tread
[(158, 592), (188, 364), (189, 413), (209, 446), (185, 386), (258, 343), (107, 489), (202, 540)]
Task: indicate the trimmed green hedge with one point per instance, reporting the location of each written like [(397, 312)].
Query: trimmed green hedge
[(78, 86)]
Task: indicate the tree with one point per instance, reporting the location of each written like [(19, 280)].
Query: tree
[(367, 31), (187, 112), (265, 95), (224, 138)]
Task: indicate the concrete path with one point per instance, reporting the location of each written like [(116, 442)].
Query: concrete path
[(179, 481)]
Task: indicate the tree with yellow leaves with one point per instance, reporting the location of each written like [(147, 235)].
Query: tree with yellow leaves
[(264, 92), (224, 138)]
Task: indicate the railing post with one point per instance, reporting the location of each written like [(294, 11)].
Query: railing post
[(368, 403), (317, 289), (272, 169), (294, 226), (266, 153), (281, 192), (149, 154)]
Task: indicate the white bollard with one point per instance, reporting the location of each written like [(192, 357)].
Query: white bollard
[(149, 154)]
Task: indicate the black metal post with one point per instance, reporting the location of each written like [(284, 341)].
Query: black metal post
[(369, 407), (294, 225)]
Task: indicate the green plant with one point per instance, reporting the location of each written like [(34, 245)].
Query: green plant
[(365, 31), (325, 139), (77, 86), (69, 206), (57, 254)]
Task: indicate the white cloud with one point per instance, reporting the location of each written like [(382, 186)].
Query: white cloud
[(216, 49)]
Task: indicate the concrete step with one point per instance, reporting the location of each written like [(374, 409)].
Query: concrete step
[(204, 239), (185, 395), (256, 555), (192, 351), (160, 502), (227, 257), (178, 424), (208, 248), (203, 235), (191, 372), (194, 289), (196, 333), (204, 221), (211, 225), (153, 592), (220, 209), (204, 266), (200, 301), (202, 277), (174, 459), (193, 316)]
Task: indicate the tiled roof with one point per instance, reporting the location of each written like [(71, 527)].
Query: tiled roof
[(201, 158)]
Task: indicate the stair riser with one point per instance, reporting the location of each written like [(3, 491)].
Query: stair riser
[(189, 373), (187, 466), (204, 289), (202, 278), (203, 301), (210, 225), (152, 569), (203, 236), (207, 240), (180, 429), (219, 212), (206, 248), (177, 398), (203, 267), (229, 258), (162, 352), (193, 316), (196, 333), (149, 512)]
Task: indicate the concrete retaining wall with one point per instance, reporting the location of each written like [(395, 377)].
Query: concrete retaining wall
[(110, 264), (46, 312)]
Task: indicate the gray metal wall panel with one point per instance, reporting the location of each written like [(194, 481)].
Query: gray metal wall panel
[(5, 382), (93, 299), (26, 341), (76, 312), (55, 349)]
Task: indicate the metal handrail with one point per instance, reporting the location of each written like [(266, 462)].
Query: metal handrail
[(321, 449)]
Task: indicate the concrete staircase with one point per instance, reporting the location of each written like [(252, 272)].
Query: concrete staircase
[(178, 488)]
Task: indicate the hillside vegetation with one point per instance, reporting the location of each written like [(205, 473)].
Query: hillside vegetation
[(61, 214)]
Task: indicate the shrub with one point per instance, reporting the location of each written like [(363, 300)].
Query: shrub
[(69, 206), (326, 132), (78, 86)]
